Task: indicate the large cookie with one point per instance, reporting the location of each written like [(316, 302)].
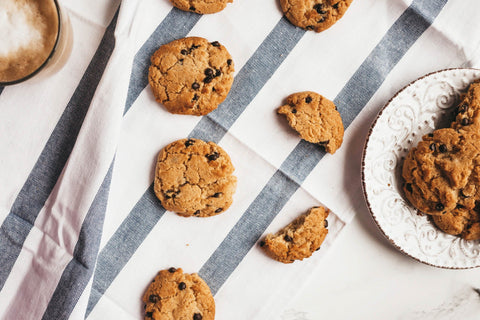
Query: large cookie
[(299, 239), (315, 118), (460, 222), (443, 172), (194, 178), (191, 75), (174, 295), (315, 15), (201, 6)]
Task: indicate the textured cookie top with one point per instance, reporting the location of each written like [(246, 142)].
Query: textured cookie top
[(315, 15), (191, 75), (201, 6), (468, 110), (194, 178), (174, 295), (443, 173), (315, 118), (460, 222), (299, 239)]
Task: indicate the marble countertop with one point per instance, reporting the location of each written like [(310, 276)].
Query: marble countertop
[(364, 277)]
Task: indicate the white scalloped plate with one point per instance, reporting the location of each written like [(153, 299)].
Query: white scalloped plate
[(417, 109)]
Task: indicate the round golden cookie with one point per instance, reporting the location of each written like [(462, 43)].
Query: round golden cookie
[(174, 295), (460, 222), (315, 118), (317, 15), (443, 172), (191, 75), (201, 6), (299, 239), (194, 178)]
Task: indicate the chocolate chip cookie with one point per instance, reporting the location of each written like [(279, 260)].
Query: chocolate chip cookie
[(317, 15), (299, 239), (460, 222), (315, 118), (468, 110), (201, 6), (191, 75), (194, 178), (176, 295)]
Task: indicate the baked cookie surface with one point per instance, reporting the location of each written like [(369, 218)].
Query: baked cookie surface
[(194, 178), (468, 110), (191, 75), (315, 118), (174, 295), (317, 15), (201, 6), (460, 222), (299, 239)]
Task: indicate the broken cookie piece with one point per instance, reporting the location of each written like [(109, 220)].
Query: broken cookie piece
[(300, 238)]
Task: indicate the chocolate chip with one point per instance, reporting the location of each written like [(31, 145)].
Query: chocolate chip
[(442, 148), (439, 207), (194, 47), (215, 44), (219, 210), (335, 6), (433, 147), (459, 206), (195, 86), (191, 8), (208, 72), (262, 243), (477, 206), (288, 238), (195, 97), (325, 224), (181, 60), (465, 122), (196, 213), (229, 62), (182, 286), (214, 90), (172, 270), (324, 143), (213, 156), (462, 108), (408, 186), (309, 27), (317, 249), (308, 99), (188, 143), (149, 314), (197, 316), (207, 79), (322, 19), (430, 135), (294, 110), (217, 195), (218, 73), (319, 8), (184, 52), (153, 298)]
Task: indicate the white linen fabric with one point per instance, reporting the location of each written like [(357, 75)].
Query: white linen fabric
[(82, 234)]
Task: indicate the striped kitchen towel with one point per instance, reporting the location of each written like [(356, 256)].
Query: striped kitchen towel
[(82, 233)]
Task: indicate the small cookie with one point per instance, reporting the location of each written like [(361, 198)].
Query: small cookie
[(460, 222), (299, 239), (191, 75), (442, 173), (315, 15), (315, 118), (468, 111), (201, 6), (194, 178), (175, 295)]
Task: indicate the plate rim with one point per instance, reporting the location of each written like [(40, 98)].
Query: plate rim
[(365, 196)]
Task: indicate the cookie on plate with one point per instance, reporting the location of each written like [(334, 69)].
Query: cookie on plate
[(194, 178), (315, 15), (315, 118), (201, 6), (460, 222), (299, 239), (176, 295), (443, 172), (468, 110), (191, 75)]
